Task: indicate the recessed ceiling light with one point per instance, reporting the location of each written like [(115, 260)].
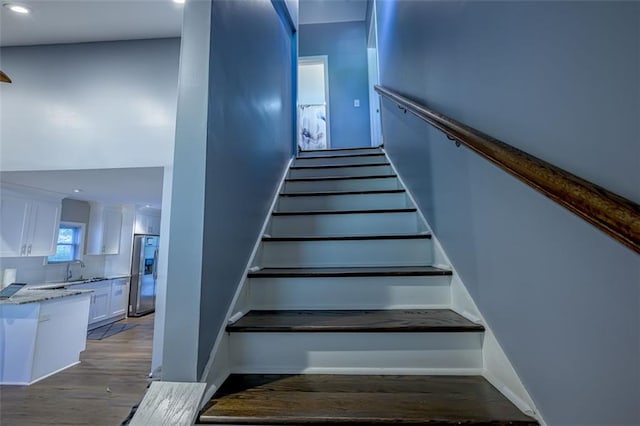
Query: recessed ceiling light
[(179, 1), (77, 190), (17, 8)]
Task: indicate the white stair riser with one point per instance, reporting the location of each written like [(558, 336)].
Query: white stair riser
[(396, 200), (392, 252), (339, 160), (426, 292), (345, 152), (341, 171), (380, 352), (345, 224), (342, 185)]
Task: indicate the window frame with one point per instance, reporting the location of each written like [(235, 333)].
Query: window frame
[(79, 245)]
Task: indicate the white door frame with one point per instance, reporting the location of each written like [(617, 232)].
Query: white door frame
[(374, 78), (324, 60)]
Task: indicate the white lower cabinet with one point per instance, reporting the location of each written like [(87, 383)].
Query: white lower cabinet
[(119, 296), (100, 303), (108, 300)]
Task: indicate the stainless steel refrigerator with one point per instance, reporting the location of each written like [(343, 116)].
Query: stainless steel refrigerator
[(144, 273)]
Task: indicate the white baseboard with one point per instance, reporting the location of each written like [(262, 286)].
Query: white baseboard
[(369, 371), (498, 370), (41, 378), (219, 355)]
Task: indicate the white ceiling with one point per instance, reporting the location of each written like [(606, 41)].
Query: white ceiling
[(328, 11), (141, 186), (73, 21)]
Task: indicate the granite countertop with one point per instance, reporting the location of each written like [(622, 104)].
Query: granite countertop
[(27, 295), (65, 284)]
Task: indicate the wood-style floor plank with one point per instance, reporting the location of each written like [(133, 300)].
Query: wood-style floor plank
[(348, 321), (360, 400), (110, 379)]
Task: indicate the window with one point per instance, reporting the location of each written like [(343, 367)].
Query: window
[(69, 246)]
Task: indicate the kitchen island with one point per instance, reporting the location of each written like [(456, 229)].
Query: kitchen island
[(42, 331)]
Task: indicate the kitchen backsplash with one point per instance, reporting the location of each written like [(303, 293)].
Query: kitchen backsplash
[(32, 270)]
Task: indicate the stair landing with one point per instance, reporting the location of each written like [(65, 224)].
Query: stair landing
[(260, 399)]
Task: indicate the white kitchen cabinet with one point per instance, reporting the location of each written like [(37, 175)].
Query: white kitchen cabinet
[(105, 226), (41, 338), (29, 226), (109, 300), (100, 303), (43, 232), (147, 222), (119, 296)]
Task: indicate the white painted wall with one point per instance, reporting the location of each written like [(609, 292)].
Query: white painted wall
[(89, 105), (311, 78)]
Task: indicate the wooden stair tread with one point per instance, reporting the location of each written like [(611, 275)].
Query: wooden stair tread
[(360, 400), (348, 237), (311, 179), (324, 212), (337, 166), (369, 320), (343, 155), (353, 192), (375, 271), (341, 149)]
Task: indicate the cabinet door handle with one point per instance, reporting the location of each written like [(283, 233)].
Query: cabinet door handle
[(29, 250)]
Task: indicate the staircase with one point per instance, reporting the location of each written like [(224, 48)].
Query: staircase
[(349, 322)]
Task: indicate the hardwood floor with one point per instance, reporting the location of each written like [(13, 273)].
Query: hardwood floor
[(101, 390)]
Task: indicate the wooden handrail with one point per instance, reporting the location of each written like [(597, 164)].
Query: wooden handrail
[(613, 214)]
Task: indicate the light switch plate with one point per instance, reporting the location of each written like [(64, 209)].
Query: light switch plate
[(356, 103)]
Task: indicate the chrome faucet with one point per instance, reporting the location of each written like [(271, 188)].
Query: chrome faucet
[(69, 274)]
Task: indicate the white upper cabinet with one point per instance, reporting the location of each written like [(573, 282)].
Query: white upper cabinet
[(105, 226), (147, 222), (29, 225)]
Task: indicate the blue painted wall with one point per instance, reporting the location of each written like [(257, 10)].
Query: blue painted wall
[(249, 143), (561, 81), (345, 44)]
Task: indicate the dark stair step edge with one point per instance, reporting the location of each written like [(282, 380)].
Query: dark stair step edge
[(328, 212), (312, 179), (355, 321), (359, 400), (338, 166), (268, 238), (342, 149), (379, 271), (351, 192), (346, 155)]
